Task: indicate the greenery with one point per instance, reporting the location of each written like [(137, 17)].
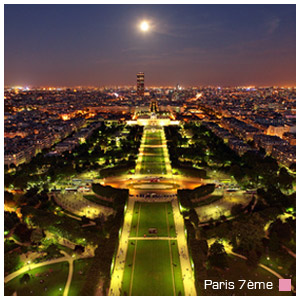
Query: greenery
[(217, 255), (152, 215), (81, 267), (252, 170), (10, 220), (44, 170), (187, 171), (44, 281), (101, 265), (152, 269), (246, 236), (63, 226), (121, 169), (118, 196), (239, 270), (95, 199), (186, 196), (11, 262)]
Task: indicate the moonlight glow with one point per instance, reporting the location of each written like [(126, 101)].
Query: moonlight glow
[(144, 26)]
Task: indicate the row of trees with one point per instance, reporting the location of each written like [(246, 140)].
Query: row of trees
[(101, 144), (102, 262), (246, 231), (186, 196), (253, 169), (118, 196)]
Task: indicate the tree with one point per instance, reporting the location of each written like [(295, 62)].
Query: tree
[(23, 233), (11, 262), (10, 220), (8, 196), (237, 172), (247, 233), (236, 209), (25, 278), (285, 180), (274, 243), (194, 217), (203, 248), (9, 200), (253, 258), (36, 235), (79, 249), (217, 255), (283, 230), (21, 181)]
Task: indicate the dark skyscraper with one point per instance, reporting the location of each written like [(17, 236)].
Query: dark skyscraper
[(140, 84)]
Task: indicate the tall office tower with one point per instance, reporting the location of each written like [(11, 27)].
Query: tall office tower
[(140, 84)]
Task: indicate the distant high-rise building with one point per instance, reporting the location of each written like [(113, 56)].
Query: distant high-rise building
[(140, 84)]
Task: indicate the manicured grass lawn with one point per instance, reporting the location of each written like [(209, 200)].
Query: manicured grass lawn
[(53, 284), (153, 138), (190, 172), (281, 262), (154, 135), (239, 270), (148, 215), (116, 171), (153, 142), (150, 168), (153, 163), (155, 151), (81, 268), (176, 268), (152, 269), (153, 159)]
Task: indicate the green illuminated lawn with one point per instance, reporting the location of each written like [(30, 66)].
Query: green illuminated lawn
[(239, 270), (153, 142), (155, 151), (53, 284), (153, 159), (153, 135), (147, 215), (148, 168), (79, 278), (152, 269), (153, 138)]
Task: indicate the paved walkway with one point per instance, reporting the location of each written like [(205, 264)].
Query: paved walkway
[(29, 267), (289, 251), (118, 272), (186, 268), (33, 266), (70, 275), (229, 250)]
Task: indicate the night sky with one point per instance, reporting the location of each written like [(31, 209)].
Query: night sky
[(69, 45)]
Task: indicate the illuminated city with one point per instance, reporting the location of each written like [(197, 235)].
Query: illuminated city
[(150, 180)]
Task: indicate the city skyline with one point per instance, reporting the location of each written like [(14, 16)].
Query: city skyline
[(194, 45)]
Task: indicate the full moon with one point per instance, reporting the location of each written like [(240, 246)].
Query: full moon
[(144, 26)]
